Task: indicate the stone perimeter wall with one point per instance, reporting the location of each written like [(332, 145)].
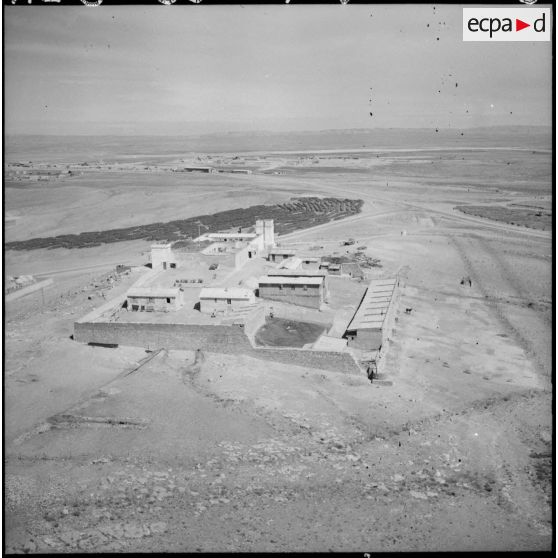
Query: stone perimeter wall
[(210, 338), (323, 360), (228, 339)]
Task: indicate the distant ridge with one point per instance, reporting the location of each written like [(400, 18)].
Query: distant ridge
[(90, 148)]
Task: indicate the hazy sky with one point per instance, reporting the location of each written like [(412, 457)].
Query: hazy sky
[(194, 69)]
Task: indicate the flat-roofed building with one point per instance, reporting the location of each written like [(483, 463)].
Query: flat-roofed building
[(353, 270), (280, 254), (243, 246), (196, 169), (230, 237), (300, 272), (366, 329), (162, 256), (153, 299), (297, 272), (241, 171), (310, 262), (292, 263), (303, 291), (217, 299)]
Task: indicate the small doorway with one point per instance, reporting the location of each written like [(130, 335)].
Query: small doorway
[(164, 265)]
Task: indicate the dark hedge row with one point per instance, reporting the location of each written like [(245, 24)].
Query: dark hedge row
[(299, 213)]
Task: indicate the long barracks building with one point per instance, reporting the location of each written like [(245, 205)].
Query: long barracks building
[(304, 291)]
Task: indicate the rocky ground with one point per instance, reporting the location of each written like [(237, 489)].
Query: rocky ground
[(418, 489), (234, 454)]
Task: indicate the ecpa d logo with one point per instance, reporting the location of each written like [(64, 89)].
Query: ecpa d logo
[(507, 24)]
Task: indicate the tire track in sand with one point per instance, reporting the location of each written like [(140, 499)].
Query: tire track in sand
[(504, 274)]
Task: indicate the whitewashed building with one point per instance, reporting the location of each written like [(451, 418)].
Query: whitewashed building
[(153, 299), (218, 299)]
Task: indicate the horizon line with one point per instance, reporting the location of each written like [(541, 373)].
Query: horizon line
[(275, 132)]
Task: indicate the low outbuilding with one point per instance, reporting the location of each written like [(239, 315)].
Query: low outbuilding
[(152, 299), (217, 299), (310, 262), (280, 254), (290, 263)]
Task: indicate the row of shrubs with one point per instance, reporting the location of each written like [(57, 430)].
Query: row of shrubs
[(300, 213)]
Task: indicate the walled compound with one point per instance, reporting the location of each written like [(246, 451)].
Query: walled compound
[(218, 298)]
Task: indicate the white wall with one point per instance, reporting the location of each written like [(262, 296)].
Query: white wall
[(161, 255)]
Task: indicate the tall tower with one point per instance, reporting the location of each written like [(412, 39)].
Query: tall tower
[(265, 229), (269, 233)]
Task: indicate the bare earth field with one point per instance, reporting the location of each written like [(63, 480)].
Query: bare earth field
[(451, 449)]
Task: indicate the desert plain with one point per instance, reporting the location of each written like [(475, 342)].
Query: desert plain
[(451, 449)]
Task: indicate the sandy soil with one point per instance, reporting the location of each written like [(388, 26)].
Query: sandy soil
[(451, 449), (105, 200)]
